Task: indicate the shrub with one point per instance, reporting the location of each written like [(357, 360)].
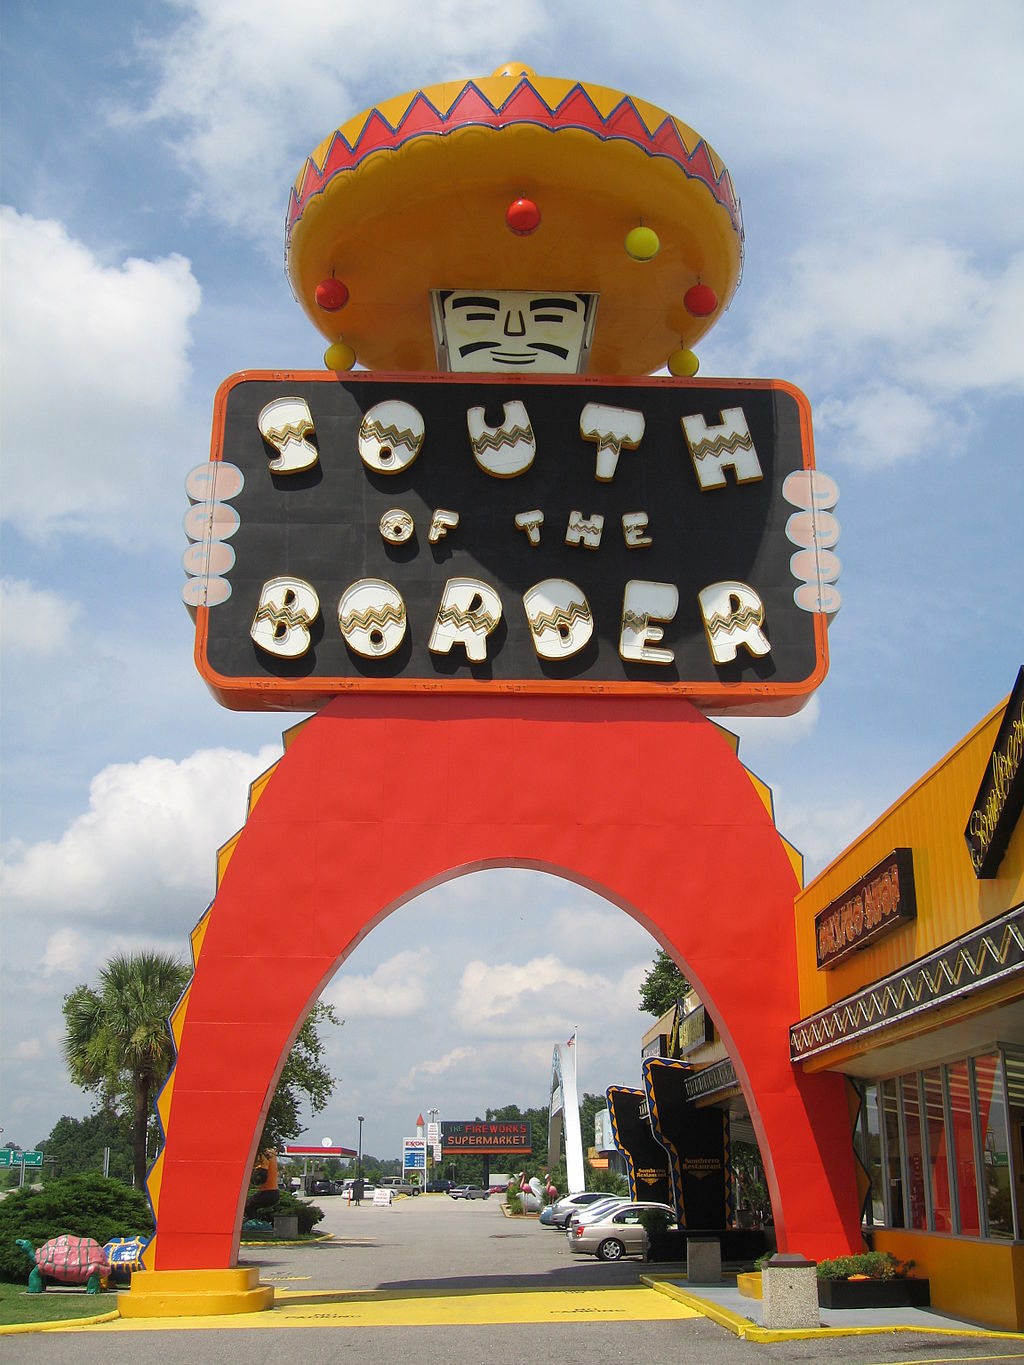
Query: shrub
[(876, 1265), (309, 1214), (83, 1205)]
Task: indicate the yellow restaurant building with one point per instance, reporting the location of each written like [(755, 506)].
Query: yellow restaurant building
[(910, 953)]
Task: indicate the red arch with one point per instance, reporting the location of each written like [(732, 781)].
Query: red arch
[(380, 797)]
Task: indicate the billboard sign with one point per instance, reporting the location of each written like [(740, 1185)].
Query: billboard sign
[(481, 1139), (383, 533)]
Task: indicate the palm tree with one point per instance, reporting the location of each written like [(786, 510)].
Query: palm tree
[(117, 1040)]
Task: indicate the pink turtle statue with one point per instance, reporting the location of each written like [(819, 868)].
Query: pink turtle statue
[(68, 1260)]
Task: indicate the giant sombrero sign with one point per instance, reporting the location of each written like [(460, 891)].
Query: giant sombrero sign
[(502, 504)]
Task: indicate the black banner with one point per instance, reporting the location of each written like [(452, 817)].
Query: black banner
[(647, 1164), (1000, 798), (697, 1144)]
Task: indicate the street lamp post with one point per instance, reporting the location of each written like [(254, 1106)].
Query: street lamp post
[(359, 1157)]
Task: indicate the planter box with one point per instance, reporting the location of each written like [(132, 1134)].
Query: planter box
[(909, 1293)]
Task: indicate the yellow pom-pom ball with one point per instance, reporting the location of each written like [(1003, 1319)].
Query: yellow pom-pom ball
[(338, 356), (642, 244), (683, 364)]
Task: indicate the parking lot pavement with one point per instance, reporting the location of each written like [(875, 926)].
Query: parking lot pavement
[(435, 1276)]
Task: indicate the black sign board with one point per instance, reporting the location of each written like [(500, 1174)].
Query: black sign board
[(646, 1160), (697, 1144), (418, 483), (881, 901), (1000, 798), (468, 1138)]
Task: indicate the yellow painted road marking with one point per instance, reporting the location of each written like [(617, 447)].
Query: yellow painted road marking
[(475, 1309)]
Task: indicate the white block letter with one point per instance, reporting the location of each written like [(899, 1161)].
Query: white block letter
[(733, 616), (285, 424), (713, 449), (559, 617), (614, 430), (371, 614), (287, 608), (390, 436), (584, 532), (503, 451), (469, 611), (642, 603)]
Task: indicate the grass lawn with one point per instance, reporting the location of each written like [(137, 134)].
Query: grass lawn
[(18, 1306)]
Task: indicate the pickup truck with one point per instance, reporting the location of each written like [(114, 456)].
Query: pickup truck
[(397, 1185)]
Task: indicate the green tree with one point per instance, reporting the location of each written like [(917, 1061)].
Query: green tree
[(117, 1042), (76, 1145), (305, 1078), (662, 986)]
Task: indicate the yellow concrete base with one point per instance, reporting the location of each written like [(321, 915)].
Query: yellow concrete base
[(195, 1293), (749, 1284), (981, 1281)]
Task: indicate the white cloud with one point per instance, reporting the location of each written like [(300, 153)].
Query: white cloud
[(65, 951), (250, 89), (143, 855), (450, 1063), (395, 989), (528, 998), (775, 730), (34, 620), (95, 363)]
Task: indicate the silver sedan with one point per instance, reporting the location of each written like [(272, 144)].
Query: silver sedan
[(620, 1231)]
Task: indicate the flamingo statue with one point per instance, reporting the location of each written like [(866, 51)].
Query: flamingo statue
[(549, 1189)]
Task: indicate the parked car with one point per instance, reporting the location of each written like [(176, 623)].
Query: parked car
[(621, 1231), (469, 1192), (438, 1186), (596, 1210), (557, 1215)]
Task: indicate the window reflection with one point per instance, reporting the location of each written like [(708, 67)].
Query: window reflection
[(995, 1151), (891, 1123), (869, 1153), (938, 1161), (963, 1149), (916, 1208)]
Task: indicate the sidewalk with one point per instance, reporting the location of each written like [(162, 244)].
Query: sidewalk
[(732, 1310)]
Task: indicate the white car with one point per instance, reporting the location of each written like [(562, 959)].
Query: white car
[(620, 1231), (557, 1215), (595, 1210)]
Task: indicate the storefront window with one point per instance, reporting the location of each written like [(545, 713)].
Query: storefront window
[(869, 1151), (938, 1159), (995, 1151), (963, 1149), (894, 1167), (917, 1210)]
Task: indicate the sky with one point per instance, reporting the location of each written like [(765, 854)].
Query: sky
[(147, 153)]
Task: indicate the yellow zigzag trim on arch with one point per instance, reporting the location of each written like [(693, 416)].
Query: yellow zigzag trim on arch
[(176, 1022)]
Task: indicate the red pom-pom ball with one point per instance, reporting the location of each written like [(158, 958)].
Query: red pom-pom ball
[(331, 295), (523, 217), (700, 300)]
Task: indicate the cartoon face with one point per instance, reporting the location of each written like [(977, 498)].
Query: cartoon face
[(499, 331)]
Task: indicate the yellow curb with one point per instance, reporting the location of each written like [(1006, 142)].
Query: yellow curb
[(14, 1328), (750, 1331)]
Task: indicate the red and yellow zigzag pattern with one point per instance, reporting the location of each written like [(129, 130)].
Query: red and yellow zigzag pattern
[(391, 127)]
